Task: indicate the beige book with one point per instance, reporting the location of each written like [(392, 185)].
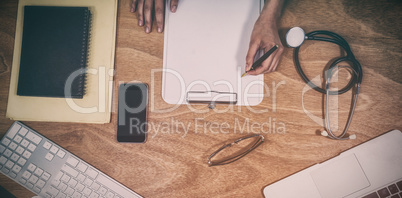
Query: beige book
[(95, 107)]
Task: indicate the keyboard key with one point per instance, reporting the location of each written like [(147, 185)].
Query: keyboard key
[(65, 178), (20, 150), (69, 191), (46, 176), (52, 191), (27, 154), (38, 172), (61, 195), (2, 148), (22, 161), (26, 175), (54, 149), (3, 160), (95, 186), (33, 179), (94, 195), (383, 193), (40, 184), (23, 131), (5, 141), (395, 196), (9, 164), (110, 195), (12, 146), (399, 184), (29, 185), (81, 178), (61, 154), (82, 167), (5, 170), (79, 187), (11, 133), (16, 169), (36, 190), (62, 187), (33, 137), (102, 191), (87, 191), (72, 183), (24, 143), (67, 169), (76, 195), (49, 156), (7, 153), (31, 167), (393, 189), (72, 161), (91, 173), (14, 157), (56, 180), (12, 174), (104, 181), (31, 147), (47, 145), (22, 180), (88, 182), (17, 139)]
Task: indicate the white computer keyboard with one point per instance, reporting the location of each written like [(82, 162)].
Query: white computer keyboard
[(48, 170)]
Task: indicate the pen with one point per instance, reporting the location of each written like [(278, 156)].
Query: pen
[(257, 63)]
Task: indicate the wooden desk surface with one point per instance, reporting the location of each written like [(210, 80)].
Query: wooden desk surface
[(172, 163)]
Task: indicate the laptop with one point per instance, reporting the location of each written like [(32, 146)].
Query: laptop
[(372, 169)]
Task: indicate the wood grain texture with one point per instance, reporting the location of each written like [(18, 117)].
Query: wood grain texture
[(172, 163)]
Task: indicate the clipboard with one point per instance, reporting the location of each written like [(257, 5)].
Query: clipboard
[(205, 48)]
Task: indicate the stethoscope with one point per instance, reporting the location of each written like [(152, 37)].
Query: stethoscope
[(295, 38)]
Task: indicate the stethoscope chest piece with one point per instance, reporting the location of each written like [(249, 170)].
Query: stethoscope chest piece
[(295, 37)]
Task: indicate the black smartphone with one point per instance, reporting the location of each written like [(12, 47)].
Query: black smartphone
[(132, 113)]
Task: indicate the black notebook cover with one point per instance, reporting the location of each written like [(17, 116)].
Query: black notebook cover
[(54, 46)]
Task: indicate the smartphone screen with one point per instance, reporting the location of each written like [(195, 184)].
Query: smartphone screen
[(132, 112)]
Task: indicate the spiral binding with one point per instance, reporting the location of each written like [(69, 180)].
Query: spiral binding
[(85, 52)]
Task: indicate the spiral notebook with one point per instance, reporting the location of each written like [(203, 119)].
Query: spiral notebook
[(49, 102), (54, 51)]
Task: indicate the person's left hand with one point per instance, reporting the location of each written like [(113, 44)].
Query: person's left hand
[(145, 8), (264, 36)]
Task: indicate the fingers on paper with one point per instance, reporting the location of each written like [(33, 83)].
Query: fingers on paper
[(173, 5), (145, 10), (148, 5), (270, 64), (140, 12), (133, 5), (159, 14)]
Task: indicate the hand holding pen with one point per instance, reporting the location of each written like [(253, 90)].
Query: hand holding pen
[(258, 63)]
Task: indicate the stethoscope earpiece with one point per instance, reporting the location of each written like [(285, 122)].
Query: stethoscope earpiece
[(295, 37)]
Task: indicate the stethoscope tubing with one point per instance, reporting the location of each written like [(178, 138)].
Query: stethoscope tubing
[(355, 81), (356, 77)]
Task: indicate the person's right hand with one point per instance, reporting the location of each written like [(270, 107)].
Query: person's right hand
[(264, 37), (145, 9)]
